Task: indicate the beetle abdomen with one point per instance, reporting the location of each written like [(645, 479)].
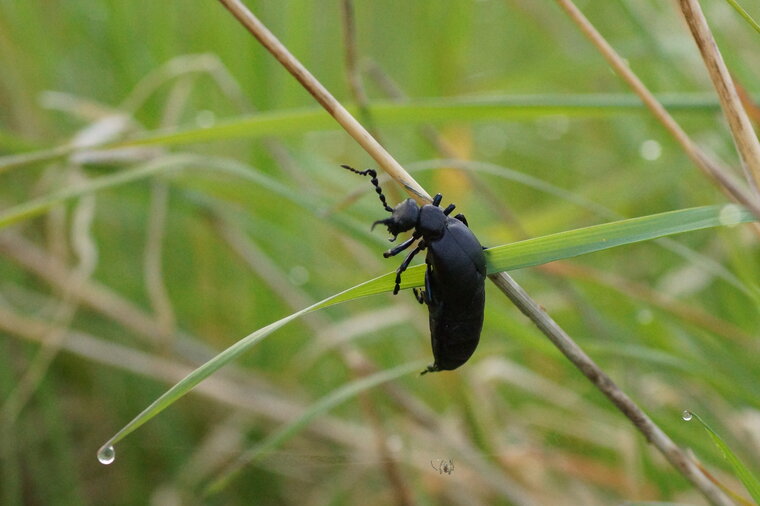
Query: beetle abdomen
[(456, 279), (455, 331)]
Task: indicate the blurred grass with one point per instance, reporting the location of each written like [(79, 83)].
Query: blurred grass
[(750, 481), (518, 421)]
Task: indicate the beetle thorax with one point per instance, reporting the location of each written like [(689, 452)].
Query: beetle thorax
[(432, 222)]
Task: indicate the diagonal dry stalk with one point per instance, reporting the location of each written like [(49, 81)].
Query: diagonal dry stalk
[(519, 297), (741, 129), (326, 100), (675, 455), (719, 174)]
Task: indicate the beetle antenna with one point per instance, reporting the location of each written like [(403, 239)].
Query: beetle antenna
[(373, 175)]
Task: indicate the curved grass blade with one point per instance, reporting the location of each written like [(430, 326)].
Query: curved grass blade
[(548, 248), (40, 205), (422, 110), (434, 110), (298, 121), (377, 285), (750, 481), (272, 441), (502, 258), (712, 266), (508, 257), (243, 171), (30, 157)]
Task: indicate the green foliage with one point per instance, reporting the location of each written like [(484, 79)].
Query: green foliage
[(501, 258), (750, 481), (165, 187)]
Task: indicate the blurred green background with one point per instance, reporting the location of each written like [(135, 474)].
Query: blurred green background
[(131, 287)]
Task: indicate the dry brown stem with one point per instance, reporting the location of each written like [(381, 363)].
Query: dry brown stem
[(326, 100), (719, 174), (741, 129)]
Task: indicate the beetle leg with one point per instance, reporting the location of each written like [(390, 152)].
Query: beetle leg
[(422, 296), (437, 199), (401, 247), (461, 218), (405, 264), (431, 368), (448, 210)]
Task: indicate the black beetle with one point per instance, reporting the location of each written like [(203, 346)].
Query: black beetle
[(455, 277)]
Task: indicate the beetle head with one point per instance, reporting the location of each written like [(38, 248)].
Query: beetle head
[(403, 218)]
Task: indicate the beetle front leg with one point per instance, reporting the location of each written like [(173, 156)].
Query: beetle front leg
[(405, 264), (401, 247)]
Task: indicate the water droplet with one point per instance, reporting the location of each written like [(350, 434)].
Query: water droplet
[(730, 215), (106, 455), (299, 275), (645, 316), (553, 127), (492, 139), (395, 443), (650, 150), (686, 415)]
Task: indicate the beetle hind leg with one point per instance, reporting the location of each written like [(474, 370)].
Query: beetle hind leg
[(431, 368)]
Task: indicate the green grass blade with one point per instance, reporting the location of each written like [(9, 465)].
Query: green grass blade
[(30, 157), (432, 110), (750, 481), (512, 256), (743, 13), (298, 121), (572, 243), (323, 405), (714, 267), (237, 349), (39, 205), (508, 257), (199, 374)]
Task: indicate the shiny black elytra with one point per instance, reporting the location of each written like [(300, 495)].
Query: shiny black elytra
[(455, 277)]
